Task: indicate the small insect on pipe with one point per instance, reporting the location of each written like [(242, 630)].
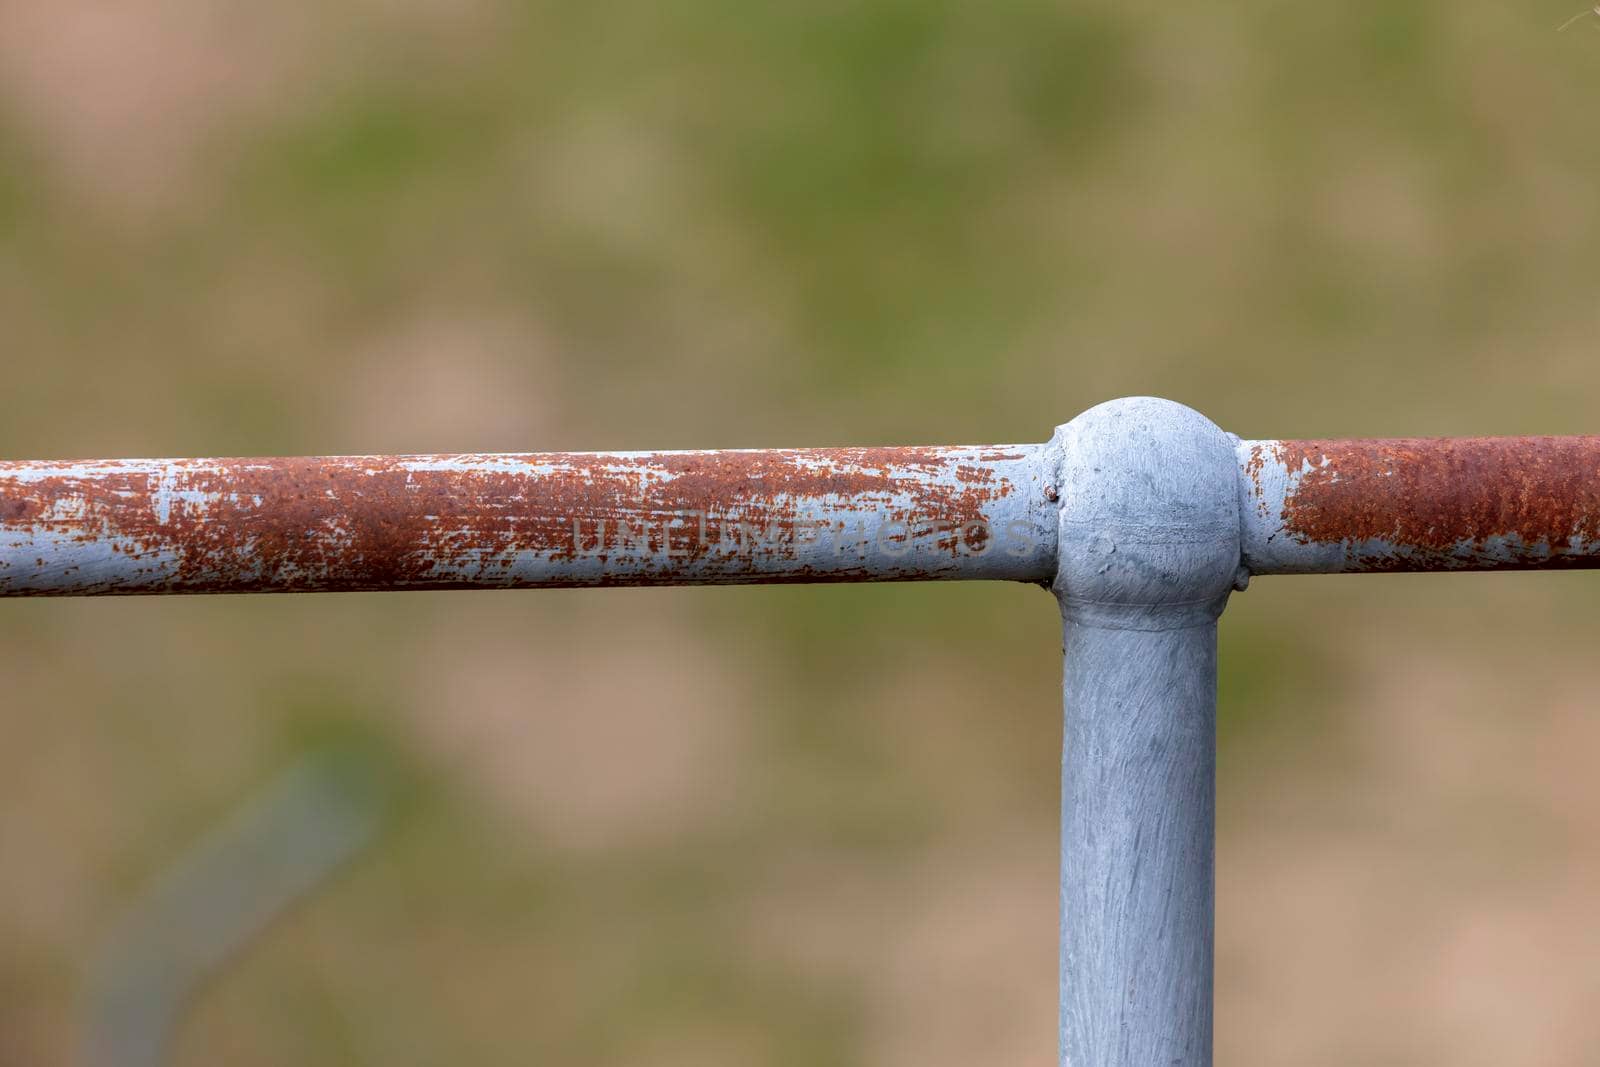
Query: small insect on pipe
[(1582, 14)]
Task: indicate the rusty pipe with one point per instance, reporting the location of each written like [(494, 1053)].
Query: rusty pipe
[(1420, 504), (794, 515), (554, 519)]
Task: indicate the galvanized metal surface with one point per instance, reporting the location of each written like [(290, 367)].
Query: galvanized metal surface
[(1149, 554), (1138, 836), (557, 519), (1420, 504)]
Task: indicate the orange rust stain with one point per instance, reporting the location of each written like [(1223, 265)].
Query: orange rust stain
[(1435, 494), (1258, 459), (372, 522), (19, 510)]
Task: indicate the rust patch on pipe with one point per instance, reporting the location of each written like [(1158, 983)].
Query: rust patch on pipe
[(1535, 498), (242, 525)]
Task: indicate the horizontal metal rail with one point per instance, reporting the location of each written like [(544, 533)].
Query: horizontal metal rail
[(555, 519), (1420, 504), (797, 515)]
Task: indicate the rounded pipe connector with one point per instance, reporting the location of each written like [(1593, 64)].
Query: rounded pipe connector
[(1149, 516)]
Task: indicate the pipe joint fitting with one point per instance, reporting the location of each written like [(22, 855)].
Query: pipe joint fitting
[(1149, 516)]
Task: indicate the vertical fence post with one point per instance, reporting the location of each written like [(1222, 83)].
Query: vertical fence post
[(1149, 551)]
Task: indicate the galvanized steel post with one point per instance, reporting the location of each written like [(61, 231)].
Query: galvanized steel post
[(1149, 551)]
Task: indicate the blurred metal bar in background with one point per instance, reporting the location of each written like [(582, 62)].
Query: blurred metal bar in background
[(1420, 504), (556, 519), (219, 896)]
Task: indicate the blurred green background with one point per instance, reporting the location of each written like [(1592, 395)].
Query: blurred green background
[(796, 825)]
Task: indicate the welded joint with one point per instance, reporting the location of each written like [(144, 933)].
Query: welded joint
[(1149, 535)]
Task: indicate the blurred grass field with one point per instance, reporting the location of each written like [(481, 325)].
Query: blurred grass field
[(797, 825)]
